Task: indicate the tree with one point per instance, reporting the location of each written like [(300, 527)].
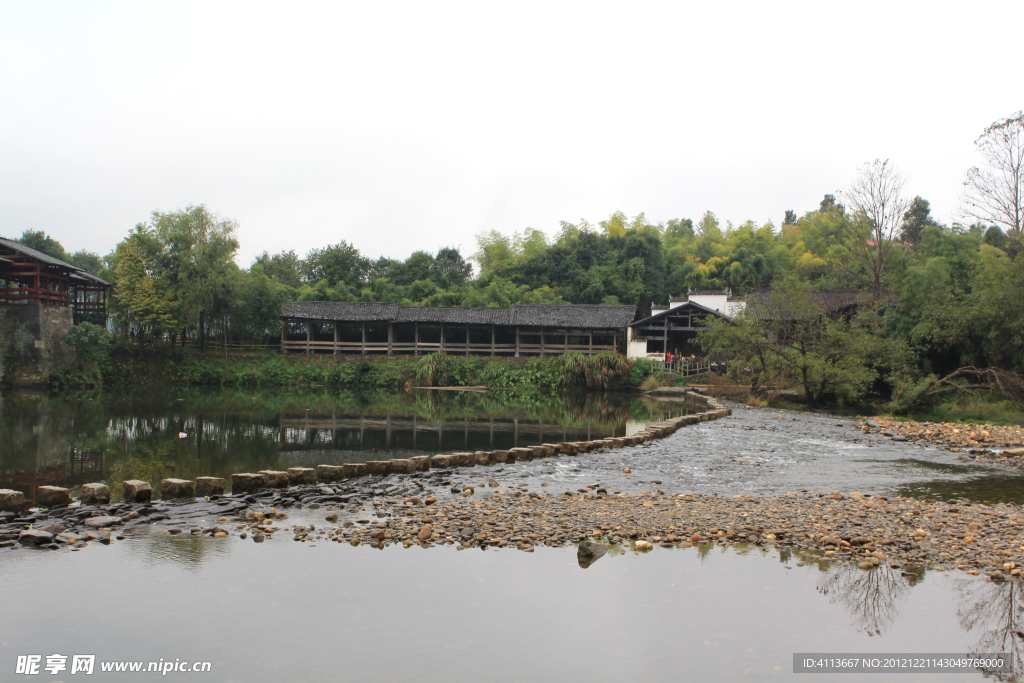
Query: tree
[(336, 263), (791, 338), (283, 267), (868, 240), (41, 242), (449, 269), (917, 218), (147, 303), (197, 261), (790, 218), (995, 194)]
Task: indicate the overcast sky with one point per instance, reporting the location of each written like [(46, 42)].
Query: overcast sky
[(404, 126)]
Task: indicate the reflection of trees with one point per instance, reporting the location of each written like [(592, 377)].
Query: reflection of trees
[(994, 609), (871, 597)]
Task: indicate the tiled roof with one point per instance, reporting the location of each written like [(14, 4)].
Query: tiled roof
[(335, 310), (577, 316), (467, 316), (585, 316), (89, 277), (676, 311), (19, 247)]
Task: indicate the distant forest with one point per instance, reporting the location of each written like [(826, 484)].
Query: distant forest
[(954, 293)]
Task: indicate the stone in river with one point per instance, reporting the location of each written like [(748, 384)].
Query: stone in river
[(326, 474), (273, 479), (52, 496), (137, 491), (53, 529), (209, 486), (102, 522), (590, 552), (467, 532), (246, 482), (301, 475), (94, 494), (333, 517), (177, 488), (642, 546), (424, 533), (35, 537), (12, 501)]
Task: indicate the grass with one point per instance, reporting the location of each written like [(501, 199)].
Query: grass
[(128, 366), (972, 409)]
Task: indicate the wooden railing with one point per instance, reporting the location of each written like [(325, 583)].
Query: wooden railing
[(454, 348), (687, 366), (35, 295)]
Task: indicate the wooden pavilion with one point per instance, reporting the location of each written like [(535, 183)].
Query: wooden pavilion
[(28, 276), (536, 329)]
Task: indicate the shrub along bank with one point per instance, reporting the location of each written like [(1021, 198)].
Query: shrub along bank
[(125, 365)]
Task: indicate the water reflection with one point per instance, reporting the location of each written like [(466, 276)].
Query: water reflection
[(995, 611), (871, 598), (151, 434), (991, 610)]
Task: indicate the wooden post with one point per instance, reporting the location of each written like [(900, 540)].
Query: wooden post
[(390, 337), (666, 335), (284, 328), (363, 352), (467, 340), (416, 352), (590, 344), (492, 347), (442, 336), (309, 336), (542, 341), (565, 348), (517, 341), (337, 349)]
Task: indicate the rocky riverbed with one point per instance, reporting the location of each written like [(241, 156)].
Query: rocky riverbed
[(434, 508)]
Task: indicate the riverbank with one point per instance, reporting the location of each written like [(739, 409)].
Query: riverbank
[(131, 366)]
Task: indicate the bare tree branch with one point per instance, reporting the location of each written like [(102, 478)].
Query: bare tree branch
[(878, 199), (995, 194)]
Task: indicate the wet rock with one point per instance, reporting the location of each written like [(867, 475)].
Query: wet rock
[(333, 517), (326, 474), (492, 482), (53, 528), (102, 522), (137, 491), (354, 469), (94, 494), (642, 546), (52, 496), (424, 533), (12, 501), (247, 482), (401, 466), (301, 476), (590, 550), (35, 537), (171, 489), (273, 479), (209, 486)]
